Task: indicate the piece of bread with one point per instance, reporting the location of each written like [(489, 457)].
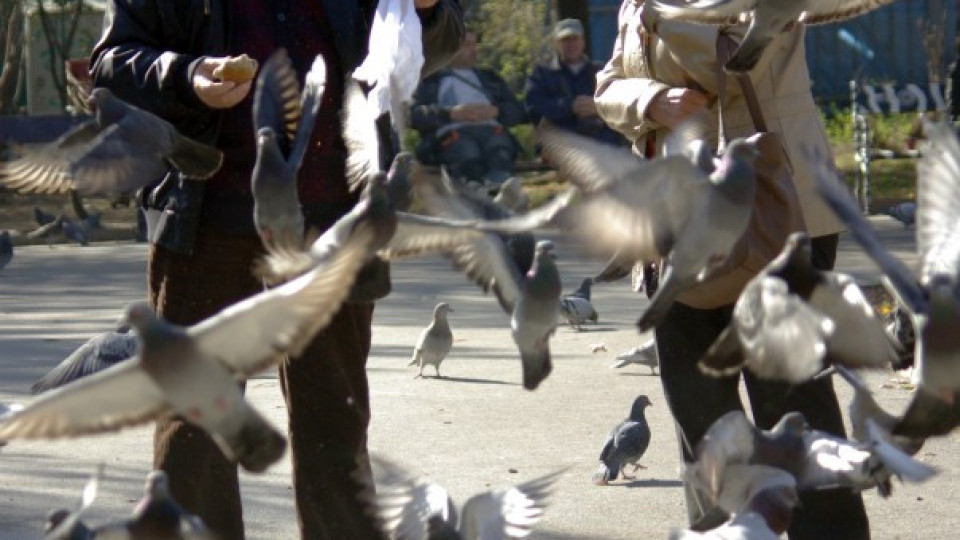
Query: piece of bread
[(237, 69)]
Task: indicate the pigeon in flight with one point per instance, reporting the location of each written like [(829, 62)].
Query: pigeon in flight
[(6, 248), (766, 516), (792, 319), (932, 300), (625, 444), (577, 308), (283, 120), (98, 353), (120, 149), (413, 508), (435, 341), (666, 208), (192, 371), (64, 524), (768, 19), (533, 319), (644, 355)]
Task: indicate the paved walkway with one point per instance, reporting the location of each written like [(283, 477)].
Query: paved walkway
[(473, 430)]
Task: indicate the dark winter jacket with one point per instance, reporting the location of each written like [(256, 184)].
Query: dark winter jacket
[(426, 116)]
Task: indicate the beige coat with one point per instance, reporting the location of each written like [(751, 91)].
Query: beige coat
[(652, 55)]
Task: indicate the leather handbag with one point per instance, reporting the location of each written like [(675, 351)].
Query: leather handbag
[(776, 209)]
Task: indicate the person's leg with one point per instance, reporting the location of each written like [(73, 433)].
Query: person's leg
[(696, 400), (329, 409), (499, 154), (463, 156), (835, 513), (185, 289)]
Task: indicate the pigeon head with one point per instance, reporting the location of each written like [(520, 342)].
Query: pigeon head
[(265, 136), (544, 248), (639, 404), (157, 485), (139, 315), (943, 299), (793, 423), (55, 518), (402, 163), (442, 309), (105, 105)]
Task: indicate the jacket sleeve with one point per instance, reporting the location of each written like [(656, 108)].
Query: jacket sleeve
[(442, 33), (134, 64), (512, 111), (426, 115), (622, 101), (543, 101)]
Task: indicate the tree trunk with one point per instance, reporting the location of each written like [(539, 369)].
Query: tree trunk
[(12, 55)]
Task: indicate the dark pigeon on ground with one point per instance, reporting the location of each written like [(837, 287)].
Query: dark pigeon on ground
[(157, 516), (905, 212), (6, 248), (625, 445), (577, 308), (49, 231), (120, 149), (41, 217), (98, 353), (74, 231)]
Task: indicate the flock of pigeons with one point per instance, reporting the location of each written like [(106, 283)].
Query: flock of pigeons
[(687, 209)]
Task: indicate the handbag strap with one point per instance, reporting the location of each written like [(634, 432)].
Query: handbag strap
[(725, 48)]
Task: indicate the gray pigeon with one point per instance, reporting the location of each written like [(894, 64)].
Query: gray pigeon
[(411, 508), (435, 341), (792, 319), (6, 248), (6, 410), (98, 353), (741, 484), (157, 516), (64, 524), (49, 231), (933, 302), (398, 181), (121, 149), (665, 208), (768, 19), (283, 120), (534, 316), (42, 218), (766, 516), (905, 212), (626, 444), (644, 355), (511, 195), (192, 371), (73, 231), (577, 308)]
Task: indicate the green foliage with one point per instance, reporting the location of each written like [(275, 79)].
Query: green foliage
[(513, 37), (890, 131)]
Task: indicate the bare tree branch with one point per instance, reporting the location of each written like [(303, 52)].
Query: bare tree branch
[(12, 55)]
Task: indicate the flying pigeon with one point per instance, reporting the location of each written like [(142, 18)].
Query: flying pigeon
[(157, 516), (576, 306), (192, 371), (121, 149), (435, 341), (64, 524), (98, 353), (655, 209), (6, 410), (283, 120), (765, 517), (413, 508), (932, 300), (792, 319), (533, 319), (626, 444), (741, 483), (644, 355), (905, 212), (511, 195), (6, 248), (398, 181), (768, 19)]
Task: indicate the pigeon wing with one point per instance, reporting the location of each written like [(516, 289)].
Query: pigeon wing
[(938, 201), (714, 12), (47, 169), (276, 98), (360, 136), (831, 11), (97, 354), (123, 395)]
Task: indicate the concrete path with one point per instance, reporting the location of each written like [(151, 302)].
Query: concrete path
[(472, 430)]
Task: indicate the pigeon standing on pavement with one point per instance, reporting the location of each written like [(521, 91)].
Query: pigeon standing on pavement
[(932, 301), (6, 248), (410, 507), (120, 149), (625, 445), (577, 308), (42, 218), (534, 317), (435, 341), (98, 353), (73, 231), (193, 371), (768, 19), (792, 319), (157, 516), (644, 355), (283, 120), (905, 213)]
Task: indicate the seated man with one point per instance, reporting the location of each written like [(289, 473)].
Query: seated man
[(562, 90), (462, 114)]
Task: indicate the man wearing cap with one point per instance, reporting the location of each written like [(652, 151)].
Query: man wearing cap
[(462, 114), (561, 90)]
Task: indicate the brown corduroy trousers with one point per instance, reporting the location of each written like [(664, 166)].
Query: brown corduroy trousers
[(325, 390)]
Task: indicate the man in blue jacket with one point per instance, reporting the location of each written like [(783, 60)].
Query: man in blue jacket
[(561, 90), (462, 114), (160, 55)]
